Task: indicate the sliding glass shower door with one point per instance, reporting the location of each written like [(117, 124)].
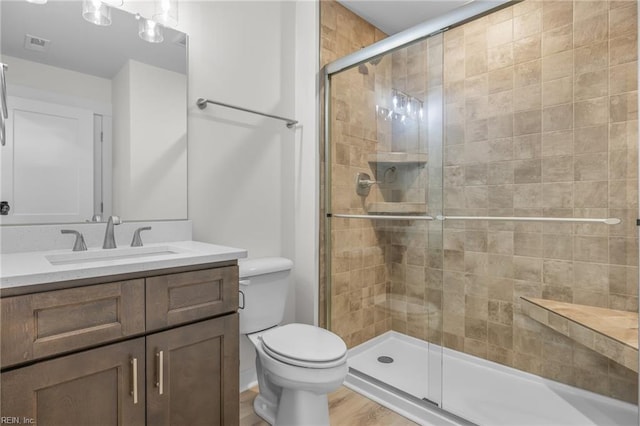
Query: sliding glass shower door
[(541, 130), (482, 196), (385, 180)]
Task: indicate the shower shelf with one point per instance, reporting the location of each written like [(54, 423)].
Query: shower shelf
[(398, 158), (609, 332), (397, 208)]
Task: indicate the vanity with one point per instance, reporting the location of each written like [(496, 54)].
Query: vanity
[(129, 336), (125, 332)]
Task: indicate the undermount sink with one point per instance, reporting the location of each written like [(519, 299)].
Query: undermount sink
[(103, 255)]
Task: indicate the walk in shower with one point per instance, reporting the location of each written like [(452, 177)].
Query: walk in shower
[(481, 181)]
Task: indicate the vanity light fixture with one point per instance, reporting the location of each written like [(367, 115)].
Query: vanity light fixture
[(149, 30), (166, 12), (96, 12)]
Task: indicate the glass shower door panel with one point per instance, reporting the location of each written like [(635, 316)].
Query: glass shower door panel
[(518, 145), (385, 172)]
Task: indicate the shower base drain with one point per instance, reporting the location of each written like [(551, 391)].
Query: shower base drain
[(385, 359)]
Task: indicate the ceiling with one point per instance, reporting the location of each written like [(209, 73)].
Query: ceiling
[(81, 46), (394, 16)]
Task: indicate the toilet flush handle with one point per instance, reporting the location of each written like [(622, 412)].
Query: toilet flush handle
[(241, 305), (241, 293)]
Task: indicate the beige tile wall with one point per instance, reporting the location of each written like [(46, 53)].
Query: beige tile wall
[(358, 272), (415, 293), (378, 267), (541, 120)]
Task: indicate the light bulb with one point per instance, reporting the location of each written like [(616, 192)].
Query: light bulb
[(150, 31), (166, 12), (96, 12)]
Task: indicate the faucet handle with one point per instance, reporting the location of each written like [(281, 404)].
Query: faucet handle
[(109, 236), (137, 241), (79, 245)]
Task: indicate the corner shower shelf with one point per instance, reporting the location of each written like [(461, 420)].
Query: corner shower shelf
[(397, 208), (418, 158), (609, 332)]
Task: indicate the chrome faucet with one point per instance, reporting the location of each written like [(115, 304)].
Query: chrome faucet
[(79, 245), (137, 241), (109, 238)]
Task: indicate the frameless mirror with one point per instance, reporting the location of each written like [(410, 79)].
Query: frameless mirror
[(96, 117)]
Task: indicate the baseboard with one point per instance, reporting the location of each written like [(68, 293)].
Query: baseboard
[(248, 379)]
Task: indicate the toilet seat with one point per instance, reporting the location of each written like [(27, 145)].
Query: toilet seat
[(304, 345)]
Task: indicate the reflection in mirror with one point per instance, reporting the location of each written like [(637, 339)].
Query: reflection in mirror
[(97, 117)]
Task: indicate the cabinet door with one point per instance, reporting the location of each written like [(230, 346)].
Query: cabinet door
[(192, 374), (103, 386), (191, 296), (43, 324)]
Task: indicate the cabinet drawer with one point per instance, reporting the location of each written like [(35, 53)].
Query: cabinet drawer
[(190, 296), (43, 324)]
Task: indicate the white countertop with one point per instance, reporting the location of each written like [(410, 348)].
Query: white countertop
[(31, 268)]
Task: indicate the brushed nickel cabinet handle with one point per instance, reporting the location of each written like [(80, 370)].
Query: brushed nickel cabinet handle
[(134, 381), (159, 372)]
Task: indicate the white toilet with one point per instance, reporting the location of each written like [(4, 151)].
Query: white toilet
[(297, 364)]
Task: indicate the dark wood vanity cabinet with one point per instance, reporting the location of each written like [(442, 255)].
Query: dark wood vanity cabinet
[(180, 370)]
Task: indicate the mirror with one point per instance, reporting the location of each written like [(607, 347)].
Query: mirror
[(97, 117)]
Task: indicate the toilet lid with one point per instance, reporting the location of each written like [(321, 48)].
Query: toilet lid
[(304, 345)]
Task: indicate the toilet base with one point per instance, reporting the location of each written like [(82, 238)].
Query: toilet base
[(265, 409), (296, 408)]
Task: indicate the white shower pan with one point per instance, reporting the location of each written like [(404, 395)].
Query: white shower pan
[(476, 390)]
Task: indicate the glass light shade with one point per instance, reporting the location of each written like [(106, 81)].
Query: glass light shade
[(37, 1), (150, 31), (96, 12), (166, 12)]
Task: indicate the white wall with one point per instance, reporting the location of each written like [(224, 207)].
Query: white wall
[(307, 162), (57, 80), (121, 160), (149, 144), (252, 181)]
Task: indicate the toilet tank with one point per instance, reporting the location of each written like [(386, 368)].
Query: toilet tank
[(264, 282)]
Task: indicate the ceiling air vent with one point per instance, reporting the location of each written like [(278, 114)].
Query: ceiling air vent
[(38, 44)]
